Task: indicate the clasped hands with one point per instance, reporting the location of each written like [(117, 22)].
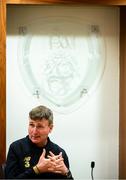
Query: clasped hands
[(53, 163)]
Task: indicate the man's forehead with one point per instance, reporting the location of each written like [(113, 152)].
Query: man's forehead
[(43, 120)]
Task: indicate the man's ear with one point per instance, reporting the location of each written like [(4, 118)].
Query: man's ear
[(51, 127)]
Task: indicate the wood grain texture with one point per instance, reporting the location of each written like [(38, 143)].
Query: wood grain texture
[(94, 2), (122, 122), (2, 81)]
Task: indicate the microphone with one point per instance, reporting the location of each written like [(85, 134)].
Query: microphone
[(92, 166)]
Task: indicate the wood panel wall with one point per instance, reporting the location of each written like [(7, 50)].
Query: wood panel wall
[(2, 80), (92, 2), (122, 121)]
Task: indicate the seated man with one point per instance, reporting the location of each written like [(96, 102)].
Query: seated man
[(36, 156)]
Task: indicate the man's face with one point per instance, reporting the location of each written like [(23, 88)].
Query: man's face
[(38, 131)]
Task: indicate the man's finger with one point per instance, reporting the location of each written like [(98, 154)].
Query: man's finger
[(50, 152), (43, 153)]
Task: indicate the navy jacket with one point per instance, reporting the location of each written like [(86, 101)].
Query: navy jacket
[(23, 155)]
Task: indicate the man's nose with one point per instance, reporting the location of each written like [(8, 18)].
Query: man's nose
[(35, 129)]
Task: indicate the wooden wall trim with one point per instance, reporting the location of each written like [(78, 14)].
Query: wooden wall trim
[(92, 2), (122, 122), (2, 81)]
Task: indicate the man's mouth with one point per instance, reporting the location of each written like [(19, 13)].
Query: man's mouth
[(35, 137)]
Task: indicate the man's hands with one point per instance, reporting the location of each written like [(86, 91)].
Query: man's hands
[(53, 163), (43, 163), (59, 165)]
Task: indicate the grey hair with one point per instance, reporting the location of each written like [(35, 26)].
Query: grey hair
[(40, 113)]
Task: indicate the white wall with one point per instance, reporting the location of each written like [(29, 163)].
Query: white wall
[(91, 131)]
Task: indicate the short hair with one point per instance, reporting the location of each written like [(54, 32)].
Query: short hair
[(40, 113)]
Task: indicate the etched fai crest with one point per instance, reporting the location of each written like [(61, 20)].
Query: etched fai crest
[(61, 66)]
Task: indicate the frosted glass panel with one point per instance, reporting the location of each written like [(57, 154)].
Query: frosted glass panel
[(61, 60)]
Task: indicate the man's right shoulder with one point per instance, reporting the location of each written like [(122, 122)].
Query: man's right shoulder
[(20, 147), (18, 142)]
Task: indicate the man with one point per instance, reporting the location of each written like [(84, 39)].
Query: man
[(36, 156)]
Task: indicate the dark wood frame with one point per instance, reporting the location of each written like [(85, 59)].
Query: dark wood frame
[(122, 103)]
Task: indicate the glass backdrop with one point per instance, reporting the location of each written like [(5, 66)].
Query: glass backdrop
[(67, 58)]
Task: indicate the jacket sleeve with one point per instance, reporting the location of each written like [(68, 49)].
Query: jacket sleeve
[(66, 161), (12, 169)]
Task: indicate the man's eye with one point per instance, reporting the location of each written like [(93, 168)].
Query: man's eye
[(40, 127), (32, 125)]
